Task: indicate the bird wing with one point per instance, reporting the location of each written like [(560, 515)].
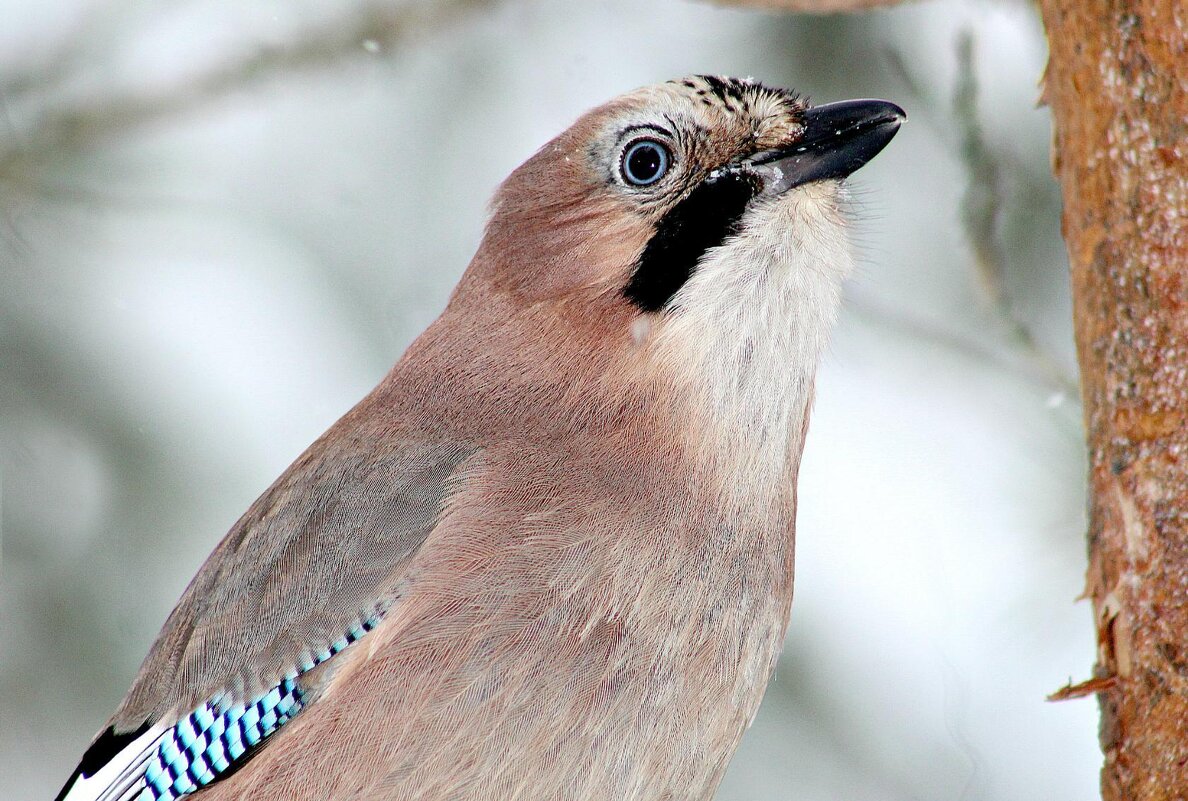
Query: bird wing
[(311, 567)]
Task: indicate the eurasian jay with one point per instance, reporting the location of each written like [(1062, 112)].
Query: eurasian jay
[(549, 557)]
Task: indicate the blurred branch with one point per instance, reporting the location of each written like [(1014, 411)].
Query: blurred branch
[(981, 207), (896, 321), (813, 6), (78, 123), (982, 204), (982, 199)]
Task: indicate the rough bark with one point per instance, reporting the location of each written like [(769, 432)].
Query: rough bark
[(1117, 83)]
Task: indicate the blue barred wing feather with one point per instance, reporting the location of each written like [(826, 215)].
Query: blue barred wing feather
[(164, 763)]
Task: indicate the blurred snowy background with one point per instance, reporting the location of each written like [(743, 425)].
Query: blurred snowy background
[(221, 222)]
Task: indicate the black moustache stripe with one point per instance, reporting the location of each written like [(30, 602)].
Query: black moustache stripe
[(702, 220)]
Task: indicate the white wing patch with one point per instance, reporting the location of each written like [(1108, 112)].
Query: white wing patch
[(122, 778)]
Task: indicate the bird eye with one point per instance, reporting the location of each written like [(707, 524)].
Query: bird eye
[(644, 162)]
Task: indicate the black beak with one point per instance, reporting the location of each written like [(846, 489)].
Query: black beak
[(838, 138)]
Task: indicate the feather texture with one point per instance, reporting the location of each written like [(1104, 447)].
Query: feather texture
[(160, 763), (550, 557), (310, 568)]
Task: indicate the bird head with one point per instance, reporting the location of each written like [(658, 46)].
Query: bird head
[(633, 197), (690, 233)]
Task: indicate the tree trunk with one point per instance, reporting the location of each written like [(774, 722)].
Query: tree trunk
[(1117, 82)]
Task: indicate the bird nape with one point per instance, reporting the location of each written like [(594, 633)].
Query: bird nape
[(549, 556)]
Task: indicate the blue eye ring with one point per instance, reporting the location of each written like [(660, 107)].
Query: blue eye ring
[(644, 162)]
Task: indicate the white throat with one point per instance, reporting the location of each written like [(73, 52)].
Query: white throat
[(750, 326)]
